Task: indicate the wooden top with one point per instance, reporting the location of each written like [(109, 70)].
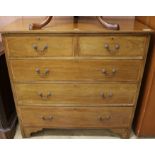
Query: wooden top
[(84, 25)]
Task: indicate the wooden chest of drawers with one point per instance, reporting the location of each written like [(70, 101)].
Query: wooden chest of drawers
[(68, 78)]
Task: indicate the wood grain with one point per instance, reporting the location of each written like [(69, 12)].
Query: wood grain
[(116, 45), (76, 70), (76, 94), (23, 46), (86, 117)]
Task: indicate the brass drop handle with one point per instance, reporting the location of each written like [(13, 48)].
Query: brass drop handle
[(42, 74), (38, 50), (104, 118), (109, 74), (108, 95), (45, 97), (111, 50), (47, 118)]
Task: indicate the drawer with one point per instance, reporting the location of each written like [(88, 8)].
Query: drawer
[(112, 45), (33, 46), (76, 70), (75, 94), (80, 117)]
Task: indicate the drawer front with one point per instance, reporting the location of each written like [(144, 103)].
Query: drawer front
[(76, 70), (31, 46), (112, 46), (75, 94), (81, 117)]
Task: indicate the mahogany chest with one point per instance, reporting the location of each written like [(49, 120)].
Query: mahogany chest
[(83, 76)]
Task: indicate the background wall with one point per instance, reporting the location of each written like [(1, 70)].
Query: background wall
[(7, 19), (4, 20)]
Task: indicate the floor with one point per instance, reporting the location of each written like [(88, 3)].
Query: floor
[(71, 134)]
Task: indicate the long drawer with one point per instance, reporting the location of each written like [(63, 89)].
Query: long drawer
[(80, 117), (112, 45), (36, 46), (76, 70), (75, 94)]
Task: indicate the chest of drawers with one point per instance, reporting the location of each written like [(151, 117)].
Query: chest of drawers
[(66, 78)]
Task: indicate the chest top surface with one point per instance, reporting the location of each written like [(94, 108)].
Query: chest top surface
[(84, 25)]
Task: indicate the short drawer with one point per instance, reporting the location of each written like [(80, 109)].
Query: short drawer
[(112, 45), (76, 94), (80, 117), (76, 70), (35, 46)]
